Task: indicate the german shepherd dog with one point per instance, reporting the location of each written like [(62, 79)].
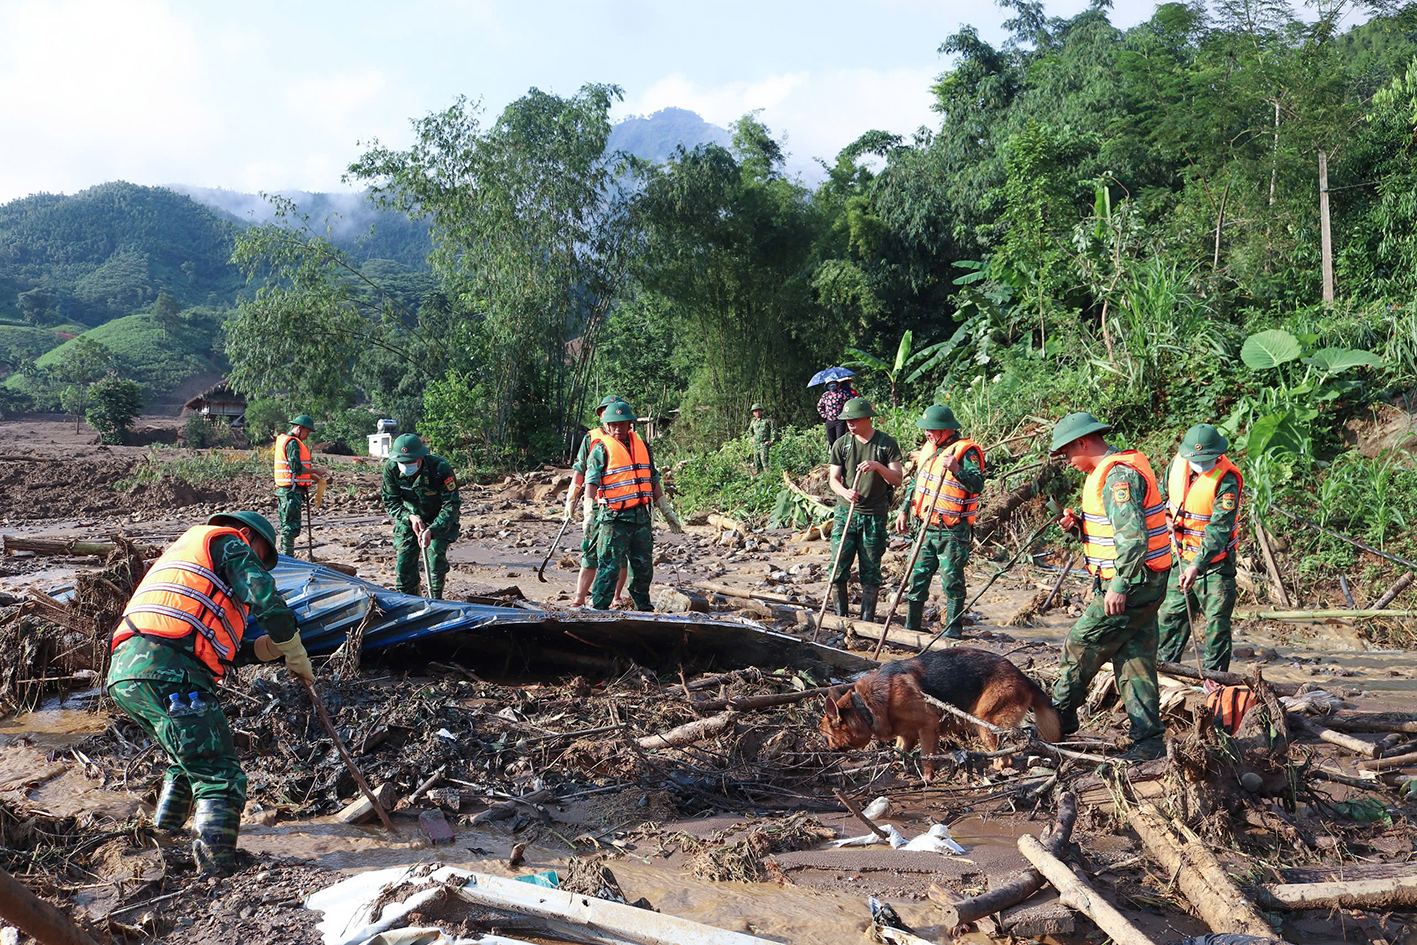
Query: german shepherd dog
[(887, 703)]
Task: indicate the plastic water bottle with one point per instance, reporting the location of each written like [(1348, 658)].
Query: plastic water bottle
[(198, 706), (175, 708)]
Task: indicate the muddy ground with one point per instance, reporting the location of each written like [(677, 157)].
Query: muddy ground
[(730, 831)]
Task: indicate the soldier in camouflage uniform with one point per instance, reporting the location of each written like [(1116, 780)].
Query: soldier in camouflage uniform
[(1203, 496), (764, 433), (876, 457), (294, 475), (1128, 552), (622, 481), (421, 494), (164, 673), (589, 533), (958, 464)]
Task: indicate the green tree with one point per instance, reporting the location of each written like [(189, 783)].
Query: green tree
[(84, 362), (116, 403), (167, 312)]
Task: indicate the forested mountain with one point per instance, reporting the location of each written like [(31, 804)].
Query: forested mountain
[(656, 137), (107, 251)]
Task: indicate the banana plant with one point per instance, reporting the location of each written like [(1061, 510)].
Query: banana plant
[(908, 366)]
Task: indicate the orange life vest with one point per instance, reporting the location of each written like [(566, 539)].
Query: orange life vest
[(626, 482), (1099, 546), (1228, 705), (182, 596), (937, 489), (1192, 504), (282, 466)]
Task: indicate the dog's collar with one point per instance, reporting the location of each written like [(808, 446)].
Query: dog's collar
[(863, 710)]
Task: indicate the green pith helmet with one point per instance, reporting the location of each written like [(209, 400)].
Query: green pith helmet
[(1202, 442), (857, 408), (756, 407), (618, 412), (408, 448), (938, 417), (304, 420), (254, 521), (607, 401), (1075, 426)]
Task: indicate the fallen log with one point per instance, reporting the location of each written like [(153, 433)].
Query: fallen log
[(1347, 872), (1391, 593), (1302, 615), (749, 703), (35, 917), (73, 547), (1225, 679), (1269, 564), (1385, 894), (1403, 722), (866, 630), (856, 812), (690, 732), (727, 591), (822, 508), (1076, 894), (1356, 745), (1213, 896), (1395, 761), (1024, 884), (1047, 604)]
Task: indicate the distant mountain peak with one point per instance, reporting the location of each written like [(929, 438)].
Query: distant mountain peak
[(656, 136)]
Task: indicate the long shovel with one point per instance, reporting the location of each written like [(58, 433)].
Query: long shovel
[(309, 526), (836, 559), (905, 579), (554, 545), (344, 752), (1008, 566), (1190, 614)]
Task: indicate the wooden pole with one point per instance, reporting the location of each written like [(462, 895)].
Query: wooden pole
[(1325, 234), (1076, 894), (35, 917), (1391, 594), (1356, 745), (1382, 894), (1057, 585), (1225, 679)]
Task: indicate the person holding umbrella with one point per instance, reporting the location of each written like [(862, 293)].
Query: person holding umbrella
[(830, 404)]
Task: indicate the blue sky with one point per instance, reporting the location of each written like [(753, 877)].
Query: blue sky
[(277, 94)]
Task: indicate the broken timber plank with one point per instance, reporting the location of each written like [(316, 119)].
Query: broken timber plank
[(690, 732), (35, 917), (1386, 894), (1078, 895)]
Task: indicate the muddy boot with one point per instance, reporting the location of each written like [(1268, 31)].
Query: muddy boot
[(174, 804), (216, 824), (435, 587), (1146, 750), (868, 603), (914, 615), (1067, 721), (287, 545), (842, 599)]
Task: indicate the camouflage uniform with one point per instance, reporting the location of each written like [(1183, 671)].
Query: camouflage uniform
[(432, 494), (764, 433), (1213, 594), (144, 673), (622, 537), (290, 500), (947, 549), (1127, 640), (589, 559), (866, 538)]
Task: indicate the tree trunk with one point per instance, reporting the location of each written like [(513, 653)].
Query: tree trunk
[(690, 732), (1381, 894), (1076, 894)]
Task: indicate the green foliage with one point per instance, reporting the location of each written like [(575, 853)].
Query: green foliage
[(350, 427), (13, 402), (265, 418), (116, 402), (21, 343), (722, 480), (908, 366), (205, 469), (453, 406), (200, 433)]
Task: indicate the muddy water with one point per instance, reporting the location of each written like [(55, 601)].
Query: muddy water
[(52, 728), (787, 913)]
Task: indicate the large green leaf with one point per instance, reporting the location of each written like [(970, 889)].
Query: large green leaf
[(1268, 349), (1338, 360), (1277, 433)]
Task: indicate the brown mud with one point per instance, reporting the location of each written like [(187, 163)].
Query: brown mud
[(728, 832)]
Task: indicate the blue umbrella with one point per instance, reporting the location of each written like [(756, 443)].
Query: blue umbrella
[(830, 374)]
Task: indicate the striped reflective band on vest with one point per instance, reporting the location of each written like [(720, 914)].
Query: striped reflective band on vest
[(182, 597), (1099, 543), (1192, 505), (282, 465), (626, 482), (937, 489)]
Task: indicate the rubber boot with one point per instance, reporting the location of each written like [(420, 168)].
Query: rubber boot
[(842, 599), (1067, 721), (217, 822), (287, 545), (435, 586), (914, 615), (868, 603), (1147, 750), (174, 804)]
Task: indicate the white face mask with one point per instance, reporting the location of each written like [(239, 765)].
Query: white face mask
[(407, 469), (1201, 467)]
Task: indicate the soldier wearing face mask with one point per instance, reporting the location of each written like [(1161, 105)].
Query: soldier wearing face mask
[(1203, 502), (421, 495)]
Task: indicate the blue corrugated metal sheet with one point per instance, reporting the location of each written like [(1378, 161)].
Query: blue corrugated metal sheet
[(329, 605)]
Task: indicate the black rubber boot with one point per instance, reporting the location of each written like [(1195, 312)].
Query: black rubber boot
[(174, 804), (1067, 721), (217, 822), (868, 603), (842, 599), (914, 615)]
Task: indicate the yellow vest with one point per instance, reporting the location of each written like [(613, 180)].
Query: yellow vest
[(1099, 546)]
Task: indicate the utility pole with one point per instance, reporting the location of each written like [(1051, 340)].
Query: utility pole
[(1327, 234)]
